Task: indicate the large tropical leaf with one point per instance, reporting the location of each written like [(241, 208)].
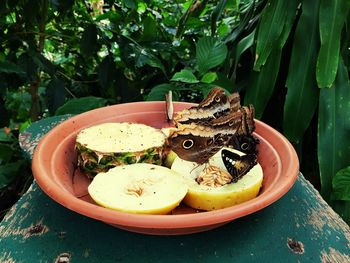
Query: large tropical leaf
[(6, 152), (244, 44), (270, 29), (79, 105), (302, 90), (341, 185), (333, 14), (55, 94), (10, 67), (210, 52), (9, 172), (291, 14), (89, 43), (263, 83), (334, 130), (218, 10)]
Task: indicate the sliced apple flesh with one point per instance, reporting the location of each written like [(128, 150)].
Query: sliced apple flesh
[(205, 197), (139, 188)]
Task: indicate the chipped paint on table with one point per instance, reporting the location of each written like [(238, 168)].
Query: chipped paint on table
[(29, 139), (300, 227)]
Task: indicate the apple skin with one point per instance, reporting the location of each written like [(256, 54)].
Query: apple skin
[(171, 156)]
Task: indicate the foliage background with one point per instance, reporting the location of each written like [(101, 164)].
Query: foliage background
[(288, 58)]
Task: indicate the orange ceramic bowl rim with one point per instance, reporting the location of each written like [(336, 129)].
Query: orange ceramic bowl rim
[(41, 167)]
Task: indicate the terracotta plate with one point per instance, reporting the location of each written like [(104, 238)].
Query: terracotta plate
[(54, 168)]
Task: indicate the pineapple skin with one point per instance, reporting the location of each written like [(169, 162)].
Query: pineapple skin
[(93, 162)]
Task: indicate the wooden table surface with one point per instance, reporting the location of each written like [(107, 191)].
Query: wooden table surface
[(300, 227)]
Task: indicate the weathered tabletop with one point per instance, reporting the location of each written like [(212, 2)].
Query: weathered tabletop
[(300, 227)]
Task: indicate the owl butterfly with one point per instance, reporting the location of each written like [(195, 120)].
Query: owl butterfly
[(244, 140), (238, 165), (198, 142), (203, 130), (215, 104)]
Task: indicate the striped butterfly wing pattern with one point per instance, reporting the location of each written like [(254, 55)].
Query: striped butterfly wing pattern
[(218, 121)]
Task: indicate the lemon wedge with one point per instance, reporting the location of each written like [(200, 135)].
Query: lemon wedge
[(205, 197), (138, 188)]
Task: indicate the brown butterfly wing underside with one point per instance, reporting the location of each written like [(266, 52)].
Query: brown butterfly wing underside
[(198, 142), (243, 140), (217, 121), (238, 165), (211, 107), (194, 148)]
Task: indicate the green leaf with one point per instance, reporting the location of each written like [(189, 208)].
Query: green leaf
[(333, 14), (185, 76), (42, 62), (150, 31), (5, 153), (224, 82), (291, 14), (223, 30), (62, 6), (79, 105), (210, 53), (25, 125), (56, 94), (244, 44), (341, 185), (106, 72), (333, 146), (10, 67), (263, 83), (158, 92), (111, 15), (243, 24), (302, 92), (215, 16), (4, 137), (89, 44), (270, 29), (8, 172), (209, 77), (144, 57), (132, 4)]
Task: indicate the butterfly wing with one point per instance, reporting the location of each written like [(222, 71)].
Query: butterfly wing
[(238, 165), (244, 143), (193, 148), (169, 107)]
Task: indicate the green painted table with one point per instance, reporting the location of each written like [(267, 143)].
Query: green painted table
[(300, 227)]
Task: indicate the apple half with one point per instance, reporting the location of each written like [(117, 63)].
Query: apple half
[(139, 188), (205, 197)]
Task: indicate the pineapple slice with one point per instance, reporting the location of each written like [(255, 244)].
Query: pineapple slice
[(138, 188), (108, 145), (206, 196)]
